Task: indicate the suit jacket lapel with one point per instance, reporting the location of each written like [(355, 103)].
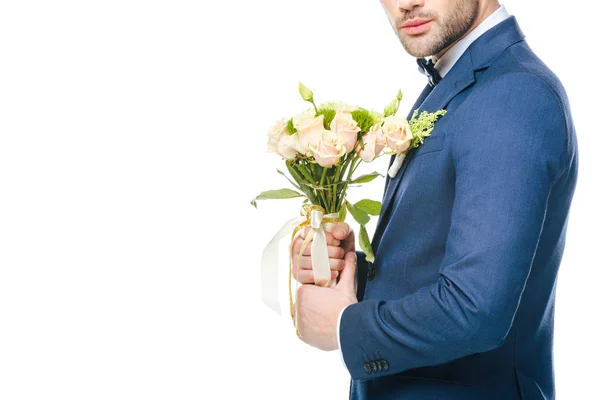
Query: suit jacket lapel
[(478, 56), (459, 78)]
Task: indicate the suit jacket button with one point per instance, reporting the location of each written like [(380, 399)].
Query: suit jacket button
[(367, 368), (384, 365), (371, 273), (379, 366), (373, 366)]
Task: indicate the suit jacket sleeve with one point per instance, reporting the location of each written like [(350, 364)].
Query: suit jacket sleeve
[(512, 149)]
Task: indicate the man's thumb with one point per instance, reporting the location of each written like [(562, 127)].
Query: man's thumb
[(346, 280)]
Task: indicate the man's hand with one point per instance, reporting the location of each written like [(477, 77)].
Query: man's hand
[(339, 242), (317, 309)]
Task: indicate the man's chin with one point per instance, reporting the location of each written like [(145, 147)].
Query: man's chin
[(417, 53), (417, 47)]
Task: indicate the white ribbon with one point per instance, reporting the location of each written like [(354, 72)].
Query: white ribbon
[(319, 253), (270, 261), (319, 256), (396, 165)]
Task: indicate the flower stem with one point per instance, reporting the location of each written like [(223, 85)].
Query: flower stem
[(315, 106), (307, 175), (323, 176), (353, 165), (326, 203), (335, 193)]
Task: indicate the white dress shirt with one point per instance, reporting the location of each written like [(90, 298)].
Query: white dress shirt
[(443, 66)]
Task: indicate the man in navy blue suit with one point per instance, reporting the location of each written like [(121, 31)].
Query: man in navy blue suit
[(459, 303)]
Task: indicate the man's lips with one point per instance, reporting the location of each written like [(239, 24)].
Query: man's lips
[(416, 26), (415, 22)]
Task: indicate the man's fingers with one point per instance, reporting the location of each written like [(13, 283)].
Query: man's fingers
[(334, 263), (335, 252), (347, 275), (332, 251), (295, 269), (340, 230), (304, 232), (307, 276), (298, 245), (331, 241)]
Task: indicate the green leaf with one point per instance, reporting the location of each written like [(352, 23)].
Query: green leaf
[(343, 213), (366, 178), (308, 177), (310, 194), (365, 244), (359, 215), (289, 180), (317, 171), (371, 207), (293, 172), (277, 194), (290, 127)]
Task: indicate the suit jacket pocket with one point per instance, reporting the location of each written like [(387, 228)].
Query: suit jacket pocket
[(431, 144)]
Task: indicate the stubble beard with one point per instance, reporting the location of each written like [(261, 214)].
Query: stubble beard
[(446, 32)]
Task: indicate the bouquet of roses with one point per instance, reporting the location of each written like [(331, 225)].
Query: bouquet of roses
[(322, 148)]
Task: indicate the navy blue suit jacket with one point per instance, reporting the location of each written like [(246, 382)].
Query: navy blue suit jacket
[(459, 302)]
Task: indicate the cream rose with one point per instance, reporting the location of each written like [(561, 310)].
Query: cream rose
[(329, 149), (346, 128), (310, 130), (288, 146), (374, 142), (274, 134), (397, 133), (281, 142)]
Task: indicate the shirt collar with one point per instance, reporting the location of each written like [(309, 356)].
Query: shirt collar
[(451, 56)]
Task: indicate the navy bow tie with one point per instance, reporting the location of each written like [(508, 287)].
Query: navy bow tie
[(426, 67)]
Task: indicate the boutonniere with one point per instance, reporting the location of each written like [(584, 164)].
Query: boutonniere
[(408, 135)]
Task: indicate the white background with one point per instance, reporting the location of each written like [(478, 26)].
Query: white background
[(132, 138)]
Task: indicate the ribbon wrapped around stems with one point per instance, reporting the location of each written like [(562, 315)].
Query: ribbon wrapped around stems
[(397, 164), (313, 216)]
